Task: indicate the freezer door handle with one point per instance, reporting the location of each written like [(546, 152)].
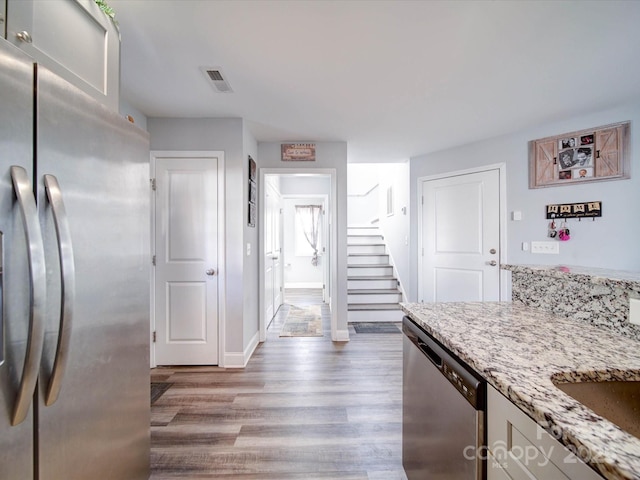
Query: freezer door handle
[(67, 282), (37, 278)]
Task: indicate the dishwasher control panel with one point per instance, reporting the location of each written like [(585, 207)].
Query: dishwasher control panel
[(468, 389)]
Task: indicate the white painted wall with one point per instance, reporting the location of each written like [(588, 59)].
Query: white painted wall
[(363, 209), (608, 242), (363, 191), (395, 228), (231, 136)]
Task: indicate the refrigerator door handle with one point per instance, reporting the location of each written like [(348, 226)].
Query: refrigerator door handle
[(37, 277), (67, 282)]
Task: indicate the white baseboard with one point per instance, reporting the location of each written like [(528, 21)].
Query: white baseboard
[(303, 285), (240, 360), (340, 336)]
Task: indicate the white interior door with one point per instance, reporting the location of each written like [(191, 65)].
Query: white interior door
[(326, 252), (461, 238), (278, 280), (186, 274), (272, 253)]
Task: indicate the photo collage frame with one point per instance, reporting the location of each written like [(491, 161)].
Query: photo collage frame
[(575, 157), (584, 156)]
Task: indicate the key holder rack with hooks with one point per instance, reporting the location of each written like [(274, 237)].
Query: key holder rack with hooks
[(574, 210)]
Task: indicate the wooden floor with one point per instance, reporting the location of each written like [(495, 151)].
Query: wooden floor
[(303, 408)]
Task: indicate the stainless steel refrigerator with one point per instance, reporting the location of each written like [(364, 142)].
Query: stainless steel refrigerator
[(74, 282)]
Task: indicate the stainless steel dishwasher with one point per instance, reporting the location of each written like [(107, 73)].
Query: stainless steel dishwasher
[(443, 404)]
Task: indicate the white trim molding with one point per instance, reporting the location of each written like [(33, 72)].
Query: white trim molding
[(240, 359)]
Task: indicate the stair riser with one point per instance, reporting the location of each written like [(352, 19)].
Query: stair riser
[(374, 316), (368, 260), (371, 284), (369, 249), (369, 271), (374, 298), (364, 240)]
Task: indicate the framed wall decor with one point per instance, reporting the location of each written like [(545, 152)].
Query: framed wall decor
[(252, 210), (595, 154), (298, 152)]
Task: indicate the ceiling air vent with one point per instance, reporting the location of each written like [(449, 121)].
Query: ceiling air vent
[(214, 74)]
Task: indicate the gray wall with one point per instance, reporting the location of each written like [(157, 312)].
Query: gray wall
[(608, 242), (228, 135), (328, 155), (250, 271)]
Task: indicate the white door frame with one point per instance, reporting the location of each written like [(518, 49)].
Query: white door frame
[(333, 240), (221, 244), (502, 173)]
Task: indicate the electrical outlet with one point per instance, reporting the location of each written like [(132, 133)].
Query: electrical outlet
[(634, 311), (545, 247)]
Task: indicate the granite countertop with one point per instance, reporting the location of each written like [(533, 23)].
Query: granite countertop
[(591, 274), (519, 350)]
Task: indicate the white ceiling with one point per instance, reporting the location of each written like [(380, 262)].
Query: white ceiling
[(394, 79)]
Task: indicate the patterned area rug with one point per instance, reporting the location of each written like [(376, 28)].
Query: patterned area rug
[(302, 322), (376, 327), (157, 389)]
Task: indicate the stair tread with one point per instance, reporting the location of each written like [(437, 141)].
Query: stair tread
[(367, 255), (374, 306), (377, 277), (369, 265), (377, 291)]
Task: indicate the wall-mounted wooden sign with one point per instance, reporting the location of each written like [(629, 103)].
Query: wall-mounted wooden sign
[(298, 152), (574, 210), (592, 155)]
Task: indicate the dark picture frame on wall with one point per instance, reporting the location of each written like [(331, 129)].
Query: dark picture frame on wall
[(252, 169), (252, 210)]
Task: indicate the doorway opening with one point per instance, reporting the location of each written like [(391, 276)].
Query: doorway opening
[(297, 240)]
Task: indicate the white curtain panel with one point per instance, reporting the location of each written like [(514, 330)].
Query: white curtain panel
[(309, 217)]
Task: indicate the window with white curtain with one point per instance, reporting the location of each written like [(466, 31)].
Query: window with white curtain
[(308, 227)]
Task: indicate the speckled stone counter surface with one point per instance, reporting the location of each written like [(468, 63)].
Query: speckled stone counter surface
[(598, 296), (519, 350)]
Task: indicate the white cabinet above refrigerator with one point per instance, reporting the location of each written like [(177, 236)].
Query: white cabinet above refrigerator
[(72, 38)]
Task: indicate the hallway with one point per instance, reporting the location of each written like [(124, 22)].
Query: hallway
[(303, 408)]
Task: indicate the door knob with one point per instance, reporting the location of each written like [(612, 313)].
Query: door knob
[(493, 263), (210, 272), (24, 37)]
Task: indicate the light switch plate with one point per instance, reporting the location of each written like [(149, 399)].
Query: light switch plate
[(634, 311), (545, 247)]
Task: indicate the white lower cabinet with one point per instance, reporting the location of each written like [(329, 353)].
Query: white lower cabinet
[(519, 449)]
